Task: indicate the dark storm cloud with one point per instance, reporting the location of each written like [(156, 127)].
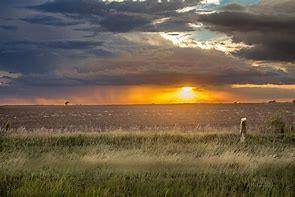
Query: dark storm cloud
[(104, 8), (120, 16), (244, 21), (45, 56), (9, 27), (29, 61), (178, 66), (74, 6), (49, 20), (123, 22), (71, 44), (266, 27)]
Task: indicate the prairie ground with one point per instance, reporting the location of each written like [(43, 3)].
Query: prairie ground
[(146, 164), (183, 117)]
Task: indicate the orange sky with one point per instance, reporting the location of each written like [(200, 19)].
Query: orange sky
[(104, 95)]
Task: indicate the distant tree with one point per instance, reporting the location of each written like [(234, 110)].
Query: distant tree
[(67, 102), (272, 101)]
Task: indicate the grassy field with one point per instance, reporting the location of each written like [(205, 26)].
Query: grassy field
[(146, 164)]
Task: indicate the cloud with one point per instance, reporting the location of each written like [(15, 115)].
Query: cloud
[(49, 20), (73, 6), (89, 7), (269, 86), (68, 64), (171, 66), (45, 56), (62, 44), (7, 77), (9, 27), (216, 2), (282, 6), (122, 16), (265, 26), (124, 22), (233, 7)]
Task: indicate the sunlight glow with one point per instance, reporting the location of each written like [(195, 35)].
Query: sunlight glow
[(218, 42), (286, 86), (101, 95), (187, 94)]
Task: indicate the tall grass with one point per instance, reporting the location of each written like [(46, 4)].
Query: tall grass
[(146, 164)]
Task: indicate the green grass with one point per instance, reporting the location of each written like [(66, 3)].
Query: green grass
[(146, 164)]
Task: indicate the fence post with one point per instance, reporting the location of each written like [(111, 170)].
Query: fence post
[(243, 129)]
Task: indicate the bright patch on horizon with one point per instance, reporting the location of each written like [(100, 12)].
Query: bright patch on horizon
[(187, 94), (287, 86)]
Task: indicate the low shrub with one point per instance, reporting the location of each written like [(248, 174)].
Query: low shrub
[(277, 124)]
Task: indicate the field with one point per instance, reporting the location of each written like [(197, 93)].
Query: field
[(61, 160), (184, 117)]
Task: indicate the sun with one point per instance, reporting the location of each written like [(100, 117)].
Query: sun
[(187, 94)]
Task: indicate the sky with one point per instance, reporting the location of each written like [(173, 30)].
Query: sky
[(142, 52)]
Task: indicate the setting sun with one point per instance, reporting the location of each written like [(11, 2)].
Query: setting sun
[(187, 94)]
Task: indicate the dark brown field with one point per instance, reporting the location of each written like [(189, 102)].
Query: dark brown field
[(201, 117)]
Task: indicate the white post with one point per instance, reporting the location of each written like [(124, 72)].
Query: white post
[(243, 129)]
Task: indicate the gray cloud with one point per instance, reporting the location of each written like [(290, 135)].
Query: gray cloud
[(9, 27), (49, 20), (94, 7), (70, 44), (45, 56), (266, 27), (119, 16), (161, 67), (233, 7), (124, 22), (7, 77)]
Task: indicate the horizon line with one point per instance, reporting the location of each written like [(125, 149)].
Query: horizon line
[(130, 104)]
